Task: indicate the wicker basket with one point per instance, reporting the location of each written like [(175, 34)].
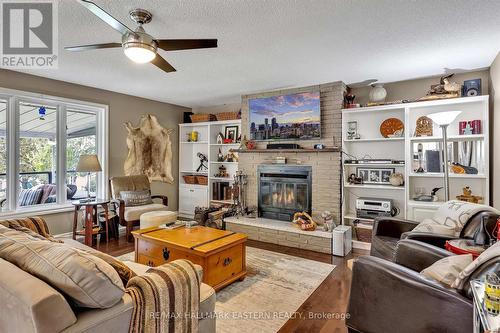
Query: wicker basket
[(363, 234), (189, 179), (228, 116), (202, 117), (202, 180)]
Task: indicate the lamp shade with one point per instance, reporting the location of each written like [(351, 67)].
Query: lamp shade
[(444, 118), (88, 163)]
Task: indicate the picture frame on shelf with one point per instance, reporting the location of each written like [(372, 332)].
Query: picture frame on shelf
[(352, 130), (231, 133), (380, 176)]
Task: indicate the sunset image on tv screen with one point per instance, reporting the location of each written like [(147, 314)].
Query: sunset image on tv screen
[(295, 116)]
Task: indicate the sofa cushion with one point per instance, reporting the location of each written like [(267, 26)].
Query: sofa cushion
[(87, 280), (446, 270), (30, 197), (29, 304), (35, 224), (136, 198), (134, 213)]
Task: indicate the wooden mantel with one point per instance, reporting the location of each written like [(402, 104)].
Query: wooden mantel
[(283, 151)]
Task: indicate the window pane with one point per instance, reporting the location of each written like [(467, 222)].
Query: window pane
[(38, 154), (81, 140), (3, 153)]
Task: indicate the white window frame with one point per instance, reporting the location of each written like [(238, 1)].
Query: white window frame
[(13, 98)]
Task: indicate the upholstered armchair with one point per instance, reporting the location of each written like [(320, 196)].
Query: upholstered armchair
[(387, 231), (130, 215), (393, 297)]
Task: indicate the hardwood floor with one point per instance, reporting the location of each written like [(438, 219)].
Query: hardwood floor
[(328, 301)]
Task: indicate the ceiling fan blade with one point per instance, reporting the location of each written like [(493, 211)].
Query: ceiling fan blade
[(92, 47), (185, 44), (106, 17), (162, 64)]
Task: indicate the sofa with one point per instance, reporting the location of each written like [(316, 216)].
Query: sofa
[(392, 296), (31, 305)]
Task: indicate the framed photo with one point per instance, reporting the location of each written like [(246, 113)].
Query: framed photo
[(375, 175), (231, 132)]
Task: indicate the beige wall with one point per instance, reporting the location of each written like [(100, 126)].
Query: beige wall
[(122, 108), (412, 89), (494, 91)]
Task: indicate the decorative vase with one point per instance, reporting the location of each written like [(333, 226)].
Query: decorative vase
[(396, 179), (377, 93)]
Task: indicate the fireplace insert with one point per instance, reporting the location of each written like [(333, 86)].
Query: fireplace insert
[(283, 190)]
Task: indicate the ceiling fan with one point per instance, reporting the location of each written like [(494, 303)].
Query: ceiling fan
[(138, 45)]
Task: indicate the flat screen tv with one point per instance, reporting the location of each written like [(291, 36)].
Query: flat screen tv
[(285, 117)]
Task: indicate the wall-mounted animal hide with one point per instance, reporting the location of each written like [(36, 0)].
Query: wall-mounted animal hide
[(149, 150)]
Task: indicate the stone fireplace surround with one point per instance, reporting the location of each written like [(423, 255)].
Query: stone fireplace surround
[(326, 173)]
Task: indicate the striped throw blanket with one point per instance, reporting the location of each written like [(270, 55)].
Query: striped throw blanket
[(35, 224), (166, 299)]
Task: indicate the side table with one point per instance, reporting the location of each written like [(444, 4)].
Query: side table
[(464, 246), (483, 321), (90, 217)]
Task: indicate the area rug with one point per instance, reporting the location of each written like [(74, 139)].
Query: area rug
[(275, 287)]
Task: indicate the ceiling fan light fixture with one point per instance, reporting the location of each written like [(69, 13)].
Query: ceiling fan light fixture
[(139, 53)]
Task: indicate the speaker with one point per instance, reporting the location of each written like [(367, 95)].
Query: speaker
[(342, 240), (283, 146), (433, 160)]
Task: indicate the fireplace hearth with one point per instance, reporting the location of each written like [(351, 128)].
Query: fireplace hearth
[(284, 190)]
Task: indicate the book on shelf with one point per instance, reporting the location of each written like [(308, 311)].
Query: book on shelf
[(221, 191)]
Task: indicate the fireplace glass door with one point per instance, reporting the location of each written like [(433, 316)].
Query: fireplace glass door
[(283, 194)]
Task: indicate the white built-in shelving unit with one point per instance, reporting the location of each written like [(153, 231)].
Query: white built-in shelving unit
[(373, 145), (191, 196)]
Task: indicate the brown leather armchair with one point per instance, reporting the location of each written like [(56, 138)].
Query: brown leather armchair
[(387, 231), (392, 297), (130, 216)]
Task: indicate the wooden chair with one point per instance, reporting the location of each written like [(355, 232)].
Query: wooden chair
[(130, 216)]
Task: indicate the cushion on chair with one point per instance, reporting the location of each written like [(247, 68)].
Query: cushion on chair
[(128, 183), (446, 270), (451, 217), (434, 227), (134, 213), (30, 197), (87, 280), (136, 198)]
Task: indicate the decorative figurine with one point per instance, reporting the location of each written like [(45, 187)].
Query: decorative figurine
[(222, 172), (468, 196), (424, 126), (220, 156), (220, 138)]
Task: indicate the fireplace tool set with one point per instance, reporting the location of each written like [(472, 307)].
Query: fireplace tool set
[(239, 193)]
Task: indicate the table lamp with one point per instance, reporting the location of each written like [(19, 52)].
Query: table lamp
[(88, 164), (443, 119)]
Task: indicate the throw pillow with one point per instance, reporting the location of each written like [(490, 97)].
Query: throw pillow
[(30, 197), (493, 252), (87, 280), (136, 198), (433, 227), (446, 270), (123, 270), (35, 224)]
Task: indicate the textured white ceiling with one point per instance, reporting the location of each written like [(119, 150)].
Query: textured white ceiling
[(271, 44)]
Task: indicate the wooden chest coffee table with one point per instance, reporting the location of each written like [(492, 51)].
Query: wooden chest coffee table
[(221, 253)]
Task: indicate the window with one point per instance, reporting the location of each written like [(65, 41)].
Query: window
[(41, 140)]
